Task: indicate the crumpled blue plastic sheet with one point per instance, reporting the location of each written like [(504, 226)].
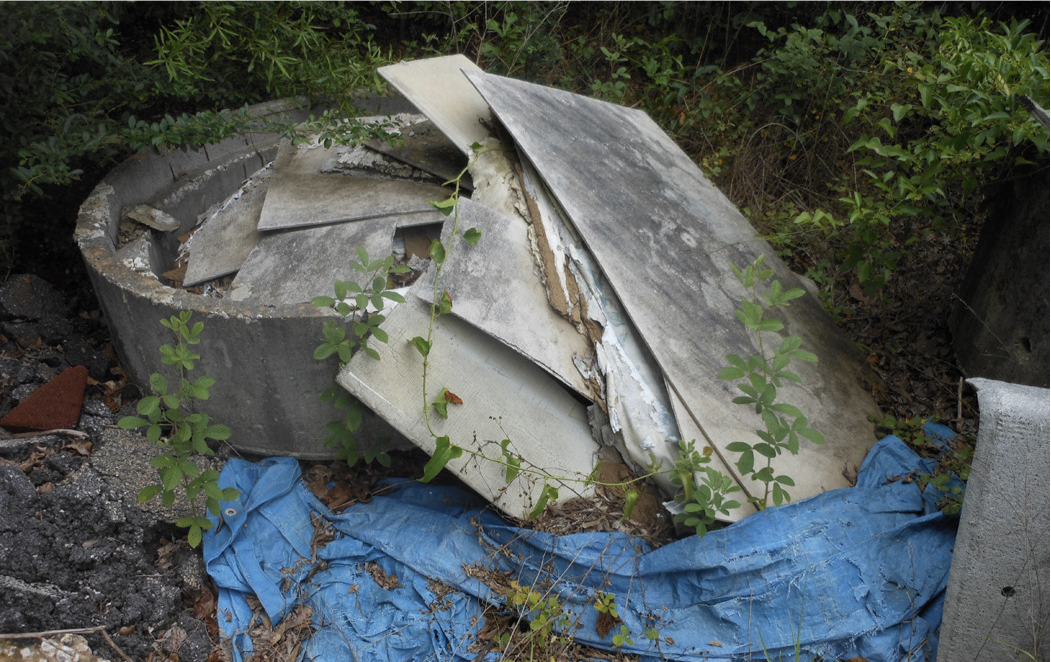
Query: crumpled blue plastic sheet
[(852, 572)]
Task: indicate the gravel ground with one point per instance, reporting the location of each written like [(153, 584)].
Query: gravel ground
[(76, 550)]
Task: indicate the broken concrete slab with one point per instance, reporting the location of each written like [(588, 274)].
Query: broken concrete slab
[(437, 87), (424, 146), (151, 217), (224, 241), (664, 236), (295, 266), (299, 195), (505, 396), (631, 384), (493, 287)]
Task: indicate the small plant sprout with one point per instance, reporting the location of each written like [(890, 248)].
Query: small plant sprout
[(180, 433)]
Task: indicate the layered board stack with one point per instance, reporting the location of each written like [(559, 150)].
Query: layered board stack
[(597, 308), (284, 236)]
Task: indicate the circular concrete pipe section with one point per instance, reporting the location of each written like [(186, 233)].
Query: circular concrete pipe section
[(268, 384)]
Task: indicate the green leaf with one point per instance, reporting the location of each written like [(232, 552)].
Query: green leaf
[(513, 462), (219, 432), (437, 252), (730, 372), (421, 345), (630, 497), (323, 302), (746, 462), (446, 206), (159, 384), (770, 325), (445, 304), (193, 536), (549, 492), (813, 435), (441, 406), (147, 493), (444, 451), (151, 404), (324, 351), (788, 410), (132, 422), (804, 355), (472, 236), (899, 111), (170, 477)]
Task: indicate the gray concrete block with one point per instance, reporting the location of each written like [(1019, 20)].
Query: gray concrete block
[(996, 605)]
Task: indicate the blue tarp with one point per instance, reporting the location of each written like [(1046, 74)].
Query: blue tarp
[(854, 572)]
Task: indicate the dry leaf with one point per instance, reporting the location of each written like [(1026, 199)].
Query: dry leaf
[(452, 398)]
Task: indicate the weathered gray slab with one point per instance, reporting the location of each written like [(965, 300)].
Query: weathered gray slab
[(493, 287), (223, 243), (299, 195), (505, 396), (425, 147), (996, 603), (437, 87), (297, 265), (665, 238)]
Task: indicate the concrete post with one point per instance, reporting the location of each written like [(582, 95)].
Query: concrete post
[(996, 605)]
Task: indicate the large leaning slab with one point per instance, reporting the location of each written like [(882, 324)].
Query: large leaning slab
[(665, 238), (505, 396), (437, 87), (996, 603)]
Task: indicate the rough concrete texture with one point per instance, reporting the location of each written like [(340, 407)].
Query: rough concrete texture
[(996, 605), (260, 354), (54, 405)]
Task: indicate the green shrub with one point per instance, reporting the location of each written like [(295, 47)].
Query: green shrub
[(86, 84)]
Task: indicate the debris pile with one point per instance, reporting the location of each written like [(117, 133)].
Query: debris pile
[(595, 311)]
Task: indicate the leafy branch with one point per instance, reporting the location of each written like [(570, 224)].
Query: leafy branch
[(183, 435), (759, 377)]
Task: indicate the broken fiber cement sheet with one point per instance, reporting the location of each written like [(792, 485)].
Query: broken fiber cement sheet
[(300, 195), (505, 396), (853, 572), (492, 286), (665, 239)]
